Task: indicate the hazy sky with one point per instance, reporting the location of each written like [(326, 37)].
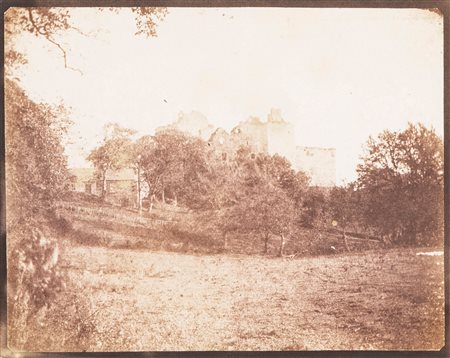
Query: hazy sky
[(339, 75)]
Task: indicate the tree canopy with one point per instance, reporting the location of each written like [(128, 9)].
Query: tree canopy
[(114, 153), (401, 180), (175, 166), (36, 167), (263, 197)]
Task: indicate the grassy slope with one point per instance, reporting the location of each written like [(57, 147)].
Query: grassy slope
[(168, 301), (159, 300), (169, 228)]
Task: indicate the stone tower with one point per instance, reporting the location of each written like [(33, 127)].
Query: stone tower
[(280, 136)]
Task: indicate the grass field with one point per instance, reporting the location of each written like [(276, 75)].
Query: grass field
[(153, 301)]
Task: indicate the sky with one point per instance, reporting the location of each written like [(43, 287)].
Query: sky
[(339, 75)]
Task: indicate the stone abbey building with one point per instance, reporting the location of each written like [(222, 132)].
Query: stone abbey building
[(275, 136)]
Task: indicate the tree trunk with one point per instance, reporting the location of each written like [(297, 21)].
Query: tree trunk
[(103, 194), (344, 236), (139, 198), (280, 254), (152, 199)]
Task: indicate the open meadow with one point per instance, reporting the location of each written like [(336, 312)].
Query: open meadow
[(154, 301)]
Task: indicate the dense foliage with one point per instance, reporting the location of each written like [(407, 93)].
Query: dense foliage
[(252, 193), (36, 176), (113, 153), (176, 167), (398, 197), (36, 168), (401, 180)]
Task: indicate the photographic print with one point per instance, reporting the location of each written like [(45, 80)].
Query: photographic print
[(224, 179)]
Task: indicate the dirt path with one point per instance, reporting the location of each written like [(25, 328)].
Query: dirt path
[(164, 301)]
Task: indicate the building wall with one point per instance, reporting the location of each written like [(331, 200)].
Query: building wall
[(280, 139), (275, 136), (251, 133), (318, 163), (222, 146), (193, 123)]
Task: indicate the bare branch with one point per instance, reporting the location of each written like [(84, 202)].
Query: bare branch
[(42, 31), (64, 55)]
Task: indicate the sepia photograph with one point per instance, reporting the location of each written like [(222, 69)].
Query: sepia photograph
[(223, 179)]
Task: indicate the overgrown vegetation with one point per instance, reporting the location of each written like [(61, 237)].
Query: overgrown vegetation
[(396, 200), (401, 186), (36, 174), (41, 298)]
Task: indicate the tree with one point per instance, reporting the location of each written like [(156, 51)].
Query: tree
[(264, 210), (35, 161), (114, 152), (176, 167), (278, 169), (225, 180), (343, 206), (36, 176), (315, 205), (401, 180), (137, 156), (256, 199)]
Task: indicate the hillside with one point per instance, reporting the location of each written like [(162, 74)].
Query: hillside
[(170, 228)]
